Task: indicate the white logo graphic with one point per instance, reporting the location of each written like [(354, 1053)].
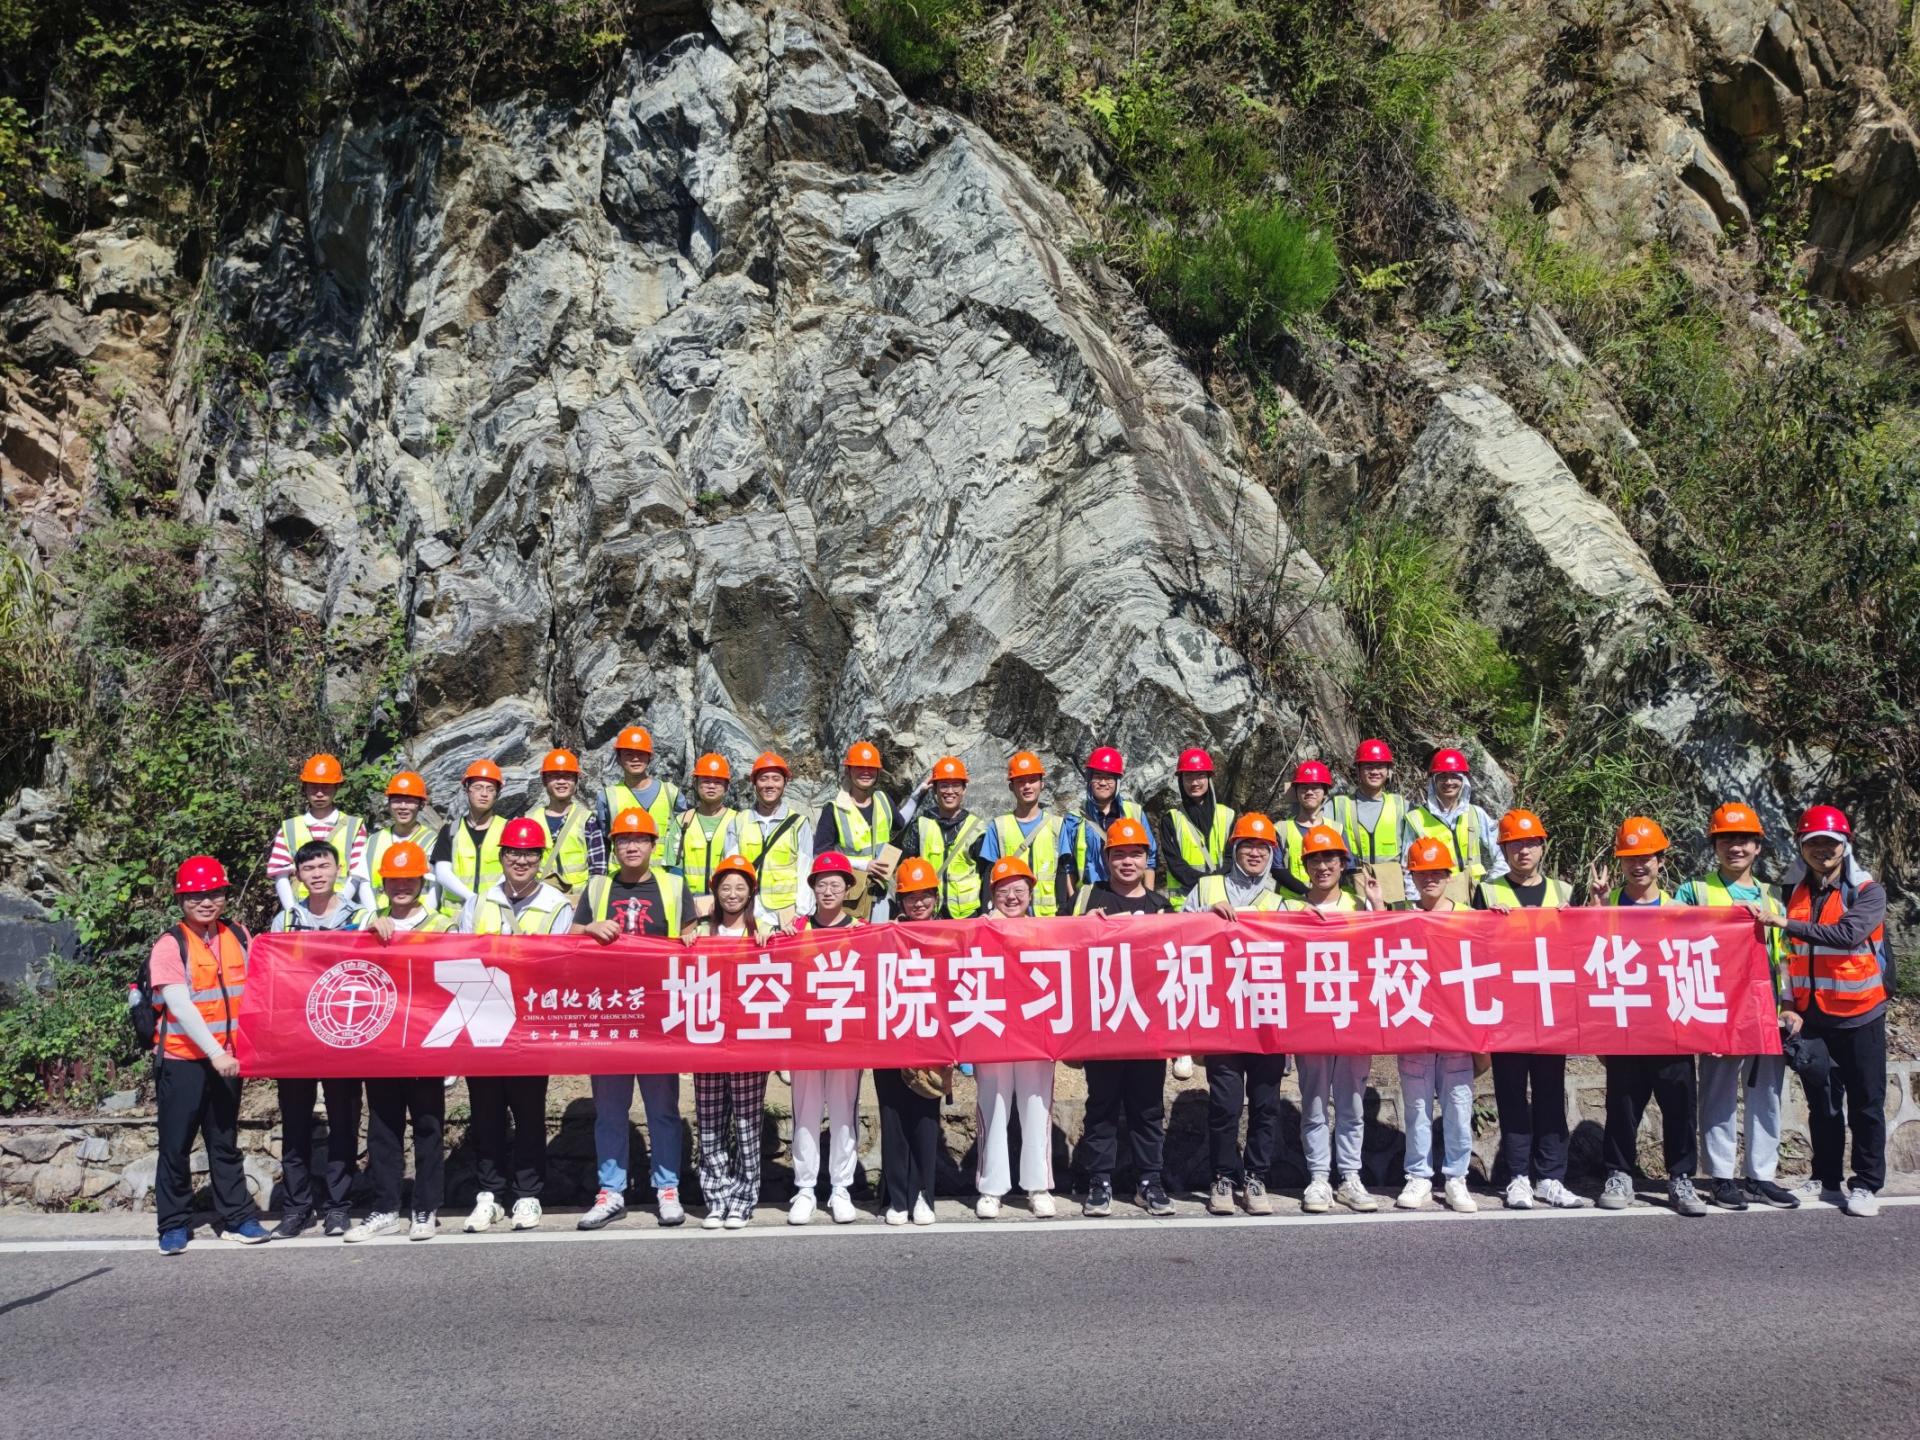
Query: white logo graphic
[(482, 1004), (351, 1004)]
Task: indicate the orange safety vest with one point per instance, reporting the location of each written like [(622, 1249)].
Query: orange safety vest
[(1841, 983), (215, 983)]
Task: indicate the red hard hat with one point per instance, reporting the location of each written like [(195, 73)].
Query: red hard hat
[(1824, 820), (1195, 762), (830, 862), (1449, 762), (1373, 752), (1312, 772), (1106, 761), (198, 874), (524, 834)]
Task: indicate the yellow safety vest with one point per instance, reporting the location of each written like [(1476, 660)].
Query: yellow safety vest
[(1293, 839), (1382, 842), (1200, 852), (1212, 889), (493, 918), (779, 867), (1501, 892), (1341, 902), (1710, 889), (424, 835), (666, 800), (1128, 810), (1619, 897), (600, 899), (1463, 836), (478, 866), (858, 840), (699, 849), (959, 874), (565, 865), (299, 830), (434, 924), (1041, 851)]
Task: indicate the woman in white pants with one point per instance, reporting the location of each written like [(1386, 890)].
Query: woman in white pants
[(835, 1091), (1025, 1086), (1447, 1075)]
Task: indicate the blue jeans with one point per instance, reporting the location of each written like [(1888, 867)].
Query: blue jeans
[(1450, 1076), (612, 1099)]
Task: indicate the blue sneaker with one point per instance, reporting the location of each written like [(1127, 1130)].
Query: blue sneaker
[(249, 1232), (172, 1242)]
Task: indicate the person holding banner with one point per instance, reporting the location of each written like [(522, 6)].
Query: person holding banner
[(729, 1108), (1030, 834), (466, 856), (1449, 1073), (910, 1099), (1006, 1086), (1235, 1082), (520, 904), (774, 838), (635, 900), (1338, 1082), (835, 1091), (948, 838)]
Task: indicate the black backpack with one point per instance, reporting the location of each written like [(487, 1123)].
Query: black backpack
[(143, 1012)]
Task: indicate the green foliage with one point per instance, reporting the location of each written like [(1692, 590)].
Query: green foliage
[(1584, 774), (30, 247), (1244, 276), (65, 1044), (918, 40), (36, 683)]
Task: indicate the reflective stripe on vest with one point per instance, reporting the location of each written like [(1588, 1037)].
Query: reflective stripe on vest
[(1212, 889), (1201, 853), (494, 918), (425, 836), (666, 800), (1128, 811), (477, 866), (1463, 835), (1841, 983), (1341, 903), (299, 830), (1367, 845), (215, 985), (1712, 890), (565, 863), (1501, 892), (699, 850), (959, 874), (600, 899), (434, 924), (1041, 851), (858, 840), (779, 871)]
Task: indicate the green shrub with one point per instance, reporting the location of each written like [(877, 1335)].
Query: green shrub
[(1245, 276), (67, 1044), (917, 40)]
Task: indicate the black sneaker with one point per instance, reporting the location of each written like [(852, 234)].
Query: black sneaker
[(1099, 1199), (1152, 1199), (338, 1223), (292, 1224), (1728, 1195), (1768, 1193)]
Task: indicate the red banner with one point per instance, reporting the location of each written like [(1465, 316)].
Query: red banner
[(1666, 980)]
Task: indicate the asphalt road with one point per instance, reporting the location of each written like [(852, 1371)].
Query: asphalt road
[(1517, 1325)]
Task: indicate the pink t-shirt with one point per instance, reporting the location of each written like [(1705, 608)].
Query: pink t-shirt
[(166, 964)]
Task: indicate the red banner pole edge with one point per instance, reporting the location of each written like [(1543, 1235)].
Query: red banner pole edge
[(1648, 981)]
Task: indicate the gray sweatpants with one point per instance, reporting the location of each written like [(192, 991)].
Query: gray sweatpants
[(1722, 1079)]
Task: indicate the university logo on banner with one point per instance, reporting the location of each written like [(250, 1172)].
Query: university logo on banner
[(351, 1004), (482, 1005)]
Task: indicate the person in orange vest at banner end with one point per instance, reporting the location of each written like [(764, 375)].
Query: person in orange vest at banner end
[(323, 909), (406, 798), (1447, 1075), (320, 780), (637, 899), (1632, 1080), (835, 1091), (1838, 978), (1529, 1091), (577, 846), (403, 878), (636, 788), (198, 971), (1448, 813), (1249, 1081), (1004, 1088), (730, 1107), (1195, 843), (1082, 837), (909, 1119), (466, 857), (520, 904)]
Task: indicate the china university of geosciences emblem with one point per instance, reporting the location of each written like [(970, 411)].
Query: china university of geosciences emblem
[(351, 1003)]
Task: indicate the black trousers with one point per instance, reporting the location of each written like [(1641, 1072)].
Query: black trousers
[(909, 1140), (1670, 1080), (1530, 1094), (195, 1101), (525, 1097), (296, 1141), (1252, 1081), (389, 1105), (1845, 1075), (1137, 1087)]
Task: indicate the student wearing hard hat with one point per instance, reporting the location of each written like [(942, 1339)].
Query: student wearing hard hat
[(198, 973), (406, 798), (466, 856), (403, 872), (320, 780), (909, 1116), (948, 837), (1194, 842), (1529, 1091), (698, 839), (519, 903), (1448, 813), (1632, 1080), (730, 1107), (858, 823), (1837, 981), (1446, 1075), (835, 1091), (1336, 1082), (773, 837), (1311, 789), (1737, 837), (1082, 836), (1249, 1082), (636, 899), (1376, 822), (577, 847), (634, 786), (1029, 833), (1006, 1088)]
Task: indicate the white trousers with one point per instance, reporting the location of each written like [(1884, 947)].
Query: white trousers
[(1026, 1085), (1723, 1079), (838, 1093)]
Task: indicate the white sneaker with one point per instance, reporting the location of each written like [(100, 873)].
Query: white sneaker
[(486, 1214), (734, 1221), (840, 1207), (800, 1209), (1318, 1198), (1415, 1193), (896, 1217), (1183, 1067), (526, 1213), (1552, 1192), (449, 1082), (671, 1211), (987, 1206), (1041, 1203), (1354, 1196), (607, 1207), (381, 1222), (923, 1212), (1810, 1190), (1519, 1194), (425, 1225), (786, 1076), (1862, 1202), (713, 1221), (1460, 1199)]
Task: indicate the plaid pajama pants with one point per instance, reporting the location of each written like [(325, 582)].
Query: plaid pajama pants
[(737, 1102)]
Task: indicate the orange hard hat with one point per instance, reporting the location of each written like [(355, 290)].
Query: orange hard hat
[(1253, 826), (950, 767), (407, 784), (735, 865), (712, 767), (1520, 825), (1639, 836), (1322, 840), (1735, 819), (1126, 831), (768, 760), (1023, 764), (1011, 868), (634, 737), (633, 822), (1427, 854), (560, 762), (321, 770), (482, 770), (403, 860), (862, 756), (915, 874)]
